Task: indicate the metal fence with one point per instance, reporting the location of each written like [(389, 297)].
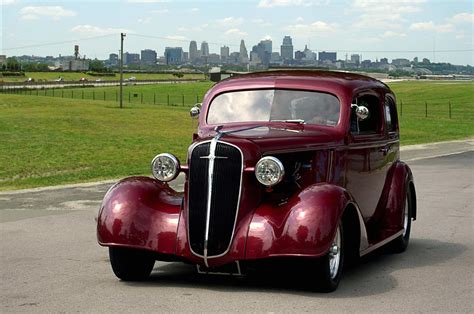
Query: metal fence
[(430, 108)]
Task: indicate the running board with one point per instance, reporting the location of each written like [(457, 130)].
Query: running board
[(381, 243)]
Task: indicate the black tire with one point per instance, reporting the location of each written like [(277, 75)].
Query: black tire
[(400, 244), (327, 278), (131, 264)]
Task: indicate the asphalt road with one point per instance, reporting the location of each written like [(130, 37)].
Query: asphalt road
[(50, 260)]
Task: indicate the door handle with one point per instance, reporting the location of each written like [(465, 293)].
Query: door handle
[(384, 150)]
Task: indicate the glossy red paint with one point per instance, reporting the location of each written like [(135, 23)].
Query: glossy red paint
[(142, 213), (305, 226), (338, 168)]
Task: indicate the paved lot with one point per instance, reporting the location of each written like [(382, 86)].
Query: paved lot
[(50, 261)]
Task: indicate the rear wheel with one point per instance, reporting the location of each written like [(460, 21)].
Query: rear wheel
[(131, 264), (331, 265), (400, 244)]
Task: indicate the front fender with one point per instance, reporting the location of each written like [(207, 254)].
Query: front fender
[(140, 212), (305, 226)]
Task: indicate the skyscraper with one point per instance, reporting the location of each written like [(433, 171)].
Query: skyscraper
[(204, 49), (286, 48), (244, 56), (193, 51), (224, 53)]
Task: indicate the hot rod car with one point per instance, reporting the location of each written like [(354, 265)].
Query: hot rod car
[(284, 164)]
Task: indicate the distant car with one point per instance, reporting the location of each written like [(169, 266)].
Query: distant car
[(59, 79), (98, 80), (133, 78), (29, 80), (83, 79), (285, 165)]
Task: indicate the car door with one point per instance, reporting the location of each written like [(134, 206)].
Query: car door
[(367, 164)]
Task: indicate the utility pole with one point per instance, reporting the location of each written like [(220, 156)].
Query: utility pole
[(122, 36)]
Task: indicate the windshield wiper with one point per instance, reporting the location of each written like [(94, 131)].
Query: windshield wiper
[(299, 121)]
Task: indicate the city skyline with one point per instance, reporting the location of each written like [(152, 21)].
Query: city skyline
[(437, 30)]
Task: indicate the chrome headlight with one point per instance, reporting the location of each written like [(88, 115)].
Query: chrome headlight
[(165, 167), (269, 171)]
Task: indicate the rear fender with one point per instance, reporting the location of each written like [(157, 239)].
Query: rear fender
[(305, 226), (140, 212)]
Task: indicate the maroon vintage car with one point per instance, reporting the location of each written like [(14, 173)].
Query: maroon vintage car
[(284, 164)]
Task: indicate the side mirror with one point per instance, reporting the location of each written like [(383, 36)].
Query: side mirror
[(195, 111), (362, 112)]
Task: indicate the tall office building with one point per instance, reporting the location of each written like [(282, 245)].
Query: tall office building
[(224, 53), (286, 49), (244, 56), (267, 44), (148, 56), (327, 56), (204, 49), (193, 51), (174, 55)]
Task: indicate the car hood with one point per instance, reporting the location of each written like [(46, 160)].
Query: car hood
[(275, 139)]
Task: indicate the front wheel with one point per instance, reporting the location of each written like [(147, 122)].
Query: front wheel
[(131, 264), (330, 266)]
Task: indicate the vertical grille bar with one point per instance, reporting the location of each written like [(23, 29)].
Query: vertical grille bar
[(225, 196)]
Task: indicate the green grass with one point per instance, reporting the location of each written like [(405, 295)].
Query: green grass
[(74, 76), (50, 141), (413, 97)]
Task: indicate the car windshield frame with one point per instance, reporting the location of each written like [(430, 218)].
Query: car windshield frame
[(301, 106)]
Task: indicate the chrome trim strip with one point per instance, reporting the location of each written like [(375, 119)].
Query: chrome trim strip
[(381, 243), (330, 161), (210, 173), (209, 197)]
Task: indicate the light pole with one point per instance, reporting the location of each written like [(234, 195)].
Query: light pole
[(122, 36)]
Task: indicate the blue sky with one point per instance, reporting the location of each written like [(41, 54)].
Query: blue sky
[(373, 28)]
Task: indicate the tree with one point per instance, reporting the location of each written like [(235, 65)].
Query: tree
[(13, 64), (97, 66)]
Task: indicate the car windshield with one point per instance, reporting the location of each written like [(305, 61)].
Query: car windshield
[(274, 105)]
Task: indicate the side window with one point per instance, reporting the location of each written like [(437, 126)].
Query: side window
[(372, 124), (390, 115)]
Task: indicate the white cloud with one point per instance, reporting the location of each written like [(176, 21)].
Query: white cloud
[(91, 30), (145, 20), (316, 28), (230, 21), (189, 29), (286, 3), (463, 18), (160, 11), (194, 10), (28, 17), (391, 34), (267, 37), (176, 37), (261, 22), (7, 2), (299, 19), (54, 12), (384, 13), (235, 32), (430, 26)]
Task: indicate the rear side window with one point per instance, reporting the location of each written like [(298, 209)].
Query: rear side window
[(390, 115)]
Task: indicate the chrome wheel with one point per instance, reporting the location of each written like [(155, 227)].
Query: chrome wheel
[(406, 218), (335, 255)]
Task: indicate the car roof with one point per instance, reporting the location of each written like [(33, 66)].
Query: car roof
[(307, 78)]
